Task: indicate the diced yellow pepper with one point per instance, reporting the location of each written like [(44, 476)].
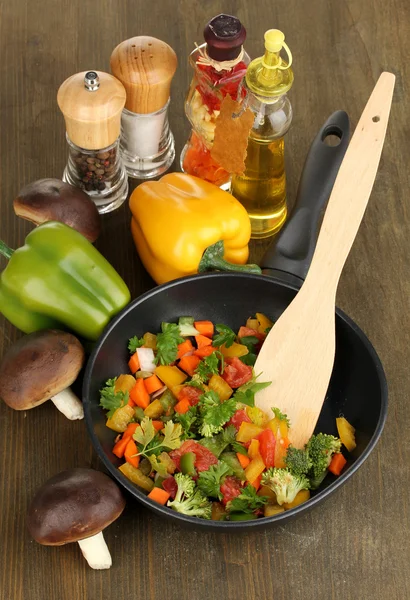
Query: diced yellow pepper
[(253, 450), (170, 376), (257, 416), (124, 383), (270, 510), (346, 433), (218, 511), (121, 418), (252, 324), (276, 424), (136, 476), (150, 340), (300, 497), (248, 431), (167, 461), (234, 350), (254, 469), (264, 322), (219, 385), (154, 410), (264, 490)]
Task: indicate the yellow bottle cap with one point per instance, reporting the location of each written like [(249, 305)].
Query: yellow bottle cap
[(274, 40)]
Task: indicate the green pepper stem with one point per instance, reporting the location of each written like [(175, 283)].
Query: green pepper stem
[(213, 260), (5, 250)]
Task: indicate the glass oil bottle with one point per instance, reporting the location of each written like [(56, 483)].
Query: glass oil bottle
[(262, 187)]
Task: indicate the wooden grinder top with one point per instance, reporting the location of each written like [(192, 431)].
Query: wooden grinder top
[(145, 66), (91, 103)]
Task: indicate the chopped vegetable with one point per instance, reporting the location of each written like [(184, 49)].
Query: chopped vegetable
[(170, 376), (225, 336), (247, 502), (233, 350), (218, 443), (248, 431), (219, 385), (134, 363), (145, 434), (298, 461), (202, 341), (300, 497), (136, 476), (111, 400), (188, 500), (186, 326), (185, 348), (182, 406), (120, 418), (139, 394), (159, 495), (167, 343), (152, 384), (285, 485), (154, 410), (267, 445), (134, 343), (255, 468), (346, 433), (146, 359), (321, 448), (245, 394), (205, 351), (205, 328), (337, 463), (130, 453), (189, 363), (187, 464), (209, 481), (208, 366), (243, 459), (150, 340), (214, 413)]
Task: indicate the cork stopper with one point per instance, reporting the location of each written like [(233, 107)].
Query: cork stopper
[(91, 103), (145, 66)]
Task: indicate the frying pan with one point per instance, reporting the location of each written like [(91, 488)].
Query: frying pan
[(357, 389)]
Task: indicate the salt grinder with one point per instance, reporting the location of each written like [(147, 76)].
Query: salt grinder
[(91, 103), (145, 66)]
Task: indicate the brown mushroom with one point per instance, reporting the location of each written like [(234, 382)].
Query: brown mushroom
[(54, 200), (41, 366), (75, 506)]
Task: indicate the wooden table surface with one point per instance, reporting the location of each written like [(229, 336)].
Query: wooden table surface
[(355, 546)]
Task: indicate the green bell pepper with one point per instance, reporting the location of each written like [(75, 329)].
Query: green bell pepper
[(59, 280)]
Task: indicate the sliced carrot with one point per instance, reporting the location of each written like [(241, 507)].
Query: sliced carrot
[(134, 363), (182, 406), (152, 384), (244, 460), (205, 328), (159, 495), (337, 463), (189, 364), (119, 447), (184, 348), (205, 351), (131, 429), (257, 482), (139, 394), (158, 425), (202, 340), (130, 452)]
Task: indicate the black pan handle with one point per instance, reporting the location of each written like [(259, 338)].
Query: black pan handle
[(291, 256)]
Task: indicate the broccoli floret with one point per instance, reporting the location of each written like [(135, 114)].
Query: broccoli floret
[(321, 448), (188, 500), (298, 461), (284, 484)]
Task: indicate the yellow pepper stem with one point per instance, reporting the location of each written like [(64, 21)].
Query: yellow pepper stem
[(213, 260)]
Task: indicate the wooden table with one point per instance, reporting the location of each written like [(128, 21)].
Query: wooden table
[(355, 546)]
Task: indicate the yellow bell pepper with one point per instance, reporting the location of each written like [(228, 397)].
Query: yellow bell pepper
[(182, 225), (346, 433), (136, 476), (234, 349), (170, 376), (247, 431), (121, 418), (219, 385)]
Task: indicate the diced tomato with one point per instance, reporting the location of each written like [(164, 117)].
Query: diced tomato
[(204, 457), (267, 445), (248, 332), (236, 373), (170, 485), (239, 417), (192, 394), (230, 488)]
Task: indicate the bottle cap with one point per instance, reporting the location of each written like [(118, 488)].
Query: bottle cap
[(91, 103), (145, 66), (224, 36), (274, 40)]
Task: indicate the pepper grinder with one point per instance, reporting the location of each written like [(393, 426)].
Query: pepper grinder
[(145, 66), (91, 103)]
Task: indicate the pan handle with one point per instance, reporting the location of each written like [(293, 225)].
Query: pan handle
[(290, 257)]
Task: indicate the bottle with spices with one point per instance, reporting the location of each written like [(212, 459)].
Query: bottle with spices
[(262, 187), (145, 66), (91, 103), (219, 66)]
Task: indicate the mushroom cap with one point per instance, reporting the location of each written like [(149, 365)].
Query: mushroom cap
[(73, 505), (38, 366), (54, 200)]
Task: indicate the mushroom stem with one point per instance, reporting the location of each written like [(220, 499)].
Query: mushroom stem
[(68, 403), (95, 551)]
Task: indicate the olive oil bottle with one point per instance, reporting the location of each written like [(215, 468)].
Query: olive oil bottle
[(262, 187)]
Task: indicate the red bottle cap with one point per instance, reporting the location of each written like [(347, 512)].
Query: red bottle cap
[(224, 36)]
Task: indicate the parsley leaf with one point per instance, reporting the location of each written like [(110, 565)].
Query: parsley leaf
[(158, 465), (209, 482), (239, 449), (134, 343), (111, 400), (208, 366), (246, 393), (150, 441), (281, 416), (250, 341), (167, 343), (248, 501), (187, 421), (214, 413), (226, 336), (248, 359)]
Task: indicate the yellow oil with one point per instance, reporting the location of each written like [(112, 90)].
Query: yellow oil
[(262, 187)]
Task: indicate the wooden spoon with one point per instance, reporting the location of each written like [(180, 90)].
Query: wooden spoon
[(298, 353)]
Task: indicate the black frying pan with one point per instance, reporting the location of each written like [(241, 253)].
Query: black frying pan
[(358, 387)]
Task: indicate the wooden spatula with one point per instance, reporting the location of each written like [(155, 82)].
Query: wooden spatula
[(298, 353)]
